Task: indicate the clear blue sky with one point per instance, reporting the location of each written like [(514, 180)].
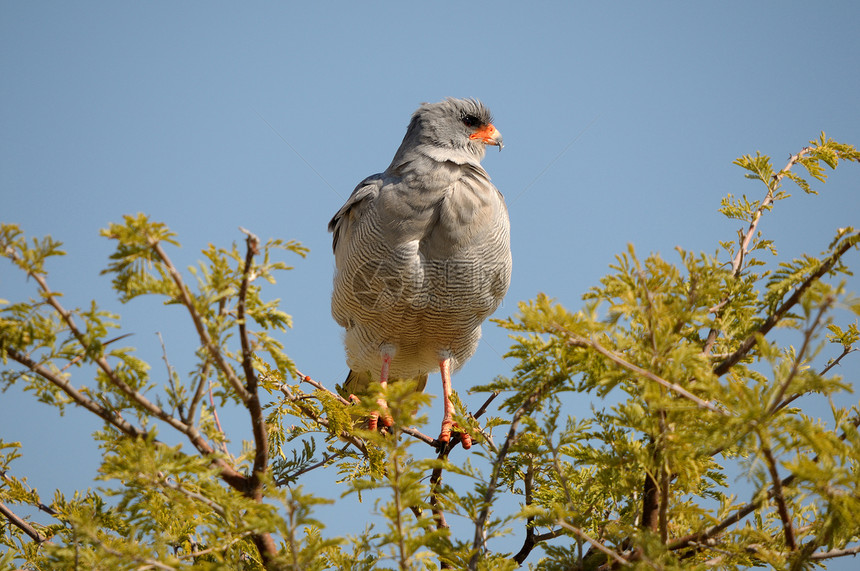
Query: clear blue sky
[(620, 123)]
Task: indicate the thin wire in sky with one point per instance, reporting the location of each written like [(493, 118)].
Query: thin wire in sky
[(298, 154), (558, 156)]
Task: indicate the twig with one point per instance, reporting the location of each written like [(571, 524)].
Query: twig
[(311, 414), (775, 401), (81, 399), (42, 507), (325, 460), (737, 261), (21, 524), (497, 469), (776, 316), (198, 392), (529, 542), (195, 554), (787, 527), (320, 386), (217, 420), (744, 510), (486, 404), (578, 341), (149, 563), (170, 377), (205, 339), (845, 351), (258, 423), (597, 545), (105, 344), (836, 553), (415, 433), (193, 495)]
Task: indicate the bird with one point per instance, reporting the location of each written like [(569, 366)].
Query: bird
[(422, 257)]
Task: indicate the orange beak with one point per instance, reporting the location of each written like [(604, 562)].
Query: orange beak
[(488, 135)]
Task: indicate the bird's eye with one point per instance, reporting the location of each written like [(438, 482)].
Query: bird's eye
[(470, 121)]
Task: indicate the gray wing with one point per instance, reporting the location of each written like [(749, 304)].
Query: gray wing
[(339, 225)]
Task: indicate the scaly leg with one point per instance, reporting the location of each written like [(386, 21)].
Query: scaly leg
[(383, 406), (448, 420)]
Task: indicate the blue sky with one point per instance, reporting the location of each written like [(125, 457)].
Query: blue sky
[(620, 126)]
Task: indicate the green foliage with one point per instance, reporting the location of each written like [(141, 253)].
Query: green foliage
[(696, 368)]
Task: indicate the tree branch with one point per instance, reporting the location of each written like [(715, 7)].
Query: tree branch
[(206, 340), (744, 510), (132, 394), (78, 397), (775, 317), (258, 423), (577, 341), (529, 542), (596, 544), (21, 524), (737, 261), (497, 469), (776, 399), (782, 509), (835, 553)]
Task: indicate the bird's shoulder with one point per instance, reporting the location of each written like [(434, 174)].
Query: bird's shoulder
[(364, 192)]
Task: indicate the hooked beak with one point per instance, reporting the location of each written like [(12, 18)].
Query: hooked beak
[(488, 135)]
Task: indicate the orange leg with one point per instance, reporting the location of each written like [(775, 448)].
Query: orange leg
[(383, 406), (448, 420)]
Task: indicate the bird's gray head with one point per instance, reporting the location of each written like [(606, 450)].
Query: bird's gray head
[(451, 130)]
